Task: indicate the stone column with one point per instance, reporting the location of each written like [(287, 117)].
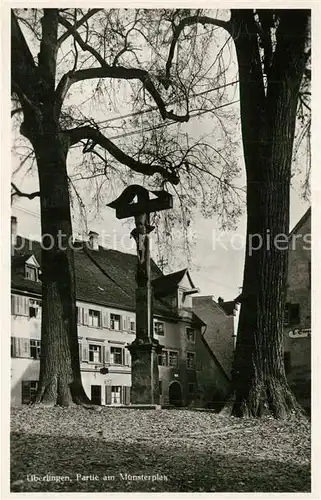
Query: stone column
[(145, 386), (145, 349)]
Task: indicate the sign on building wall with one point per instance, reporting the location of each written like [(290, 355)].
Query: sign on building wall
[(299, 333)]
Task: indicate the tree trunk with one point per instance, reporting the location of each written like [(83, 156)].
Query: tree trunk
[(268, 125), (60, 378)]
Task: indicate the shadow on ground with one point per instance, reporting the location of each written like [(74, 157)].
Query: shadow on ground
[(108, 462)]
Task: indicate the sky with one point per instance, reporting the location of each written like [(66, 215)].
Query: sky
[(215, 267)]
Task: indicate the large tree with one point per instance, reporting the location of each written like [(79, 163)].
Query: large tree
[(273, 53), (54, 51)]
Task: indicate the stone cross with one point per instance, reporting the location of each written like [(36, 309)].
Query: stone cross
[(145, 348)]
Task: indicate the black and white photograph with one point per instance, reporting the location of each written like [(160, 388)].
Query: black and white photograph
[(160, 203)]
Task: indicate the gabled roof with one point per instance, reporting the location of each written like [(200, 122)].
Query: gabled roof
[(228, 307), (32, 261), (301, 222), (295, 229), (170, 281), (223, 372), (104, 277), (196, 320)]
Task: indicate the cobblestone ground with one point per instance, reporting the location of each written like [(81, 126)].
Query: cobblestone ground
[(81, 450)]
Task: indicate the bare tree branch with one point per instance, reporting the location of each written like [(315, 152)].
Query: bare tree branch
[(81, 21), (23, 68), (94, 135), (189, 21), (84, 46), (16, 111), (17, 192), (122, 73)]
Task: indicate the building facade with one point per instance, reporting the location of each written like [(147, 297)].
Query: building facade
[(297, 331), (189, 371), (220, 318)]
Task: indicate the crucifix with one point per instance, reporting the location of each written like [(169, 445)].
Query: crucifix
[(145, 348)]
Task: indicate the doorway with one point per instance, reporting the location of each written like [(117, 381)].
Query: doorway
[(175, 394), (96, 394)]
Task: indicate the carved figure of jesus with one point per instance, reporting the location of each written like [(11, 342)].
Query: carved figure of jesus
[(140, 234)]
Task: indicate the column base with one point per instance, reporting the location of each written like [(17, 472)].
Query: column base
[(145, 379)]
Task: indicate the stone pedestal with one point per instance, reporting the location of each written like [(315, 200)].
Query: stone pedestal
[(145, 380), (144, 314)]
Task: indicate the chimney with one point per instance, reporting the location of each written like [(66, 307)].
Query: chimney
[(220, 300), (93, 240), (13, 232)]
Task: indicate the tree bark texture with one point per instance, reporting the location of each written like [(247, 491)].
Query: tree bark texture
[(268, 124), (60, 377)]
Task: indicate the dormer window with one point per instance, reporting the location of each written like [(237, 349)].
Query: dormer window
[(31, 273)]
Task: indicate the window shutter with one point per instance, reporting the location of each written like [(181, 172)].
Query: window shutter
[(105, 317), (127, 395), (79, 312), (23, 348), (295, 314), (127, 357), (107, 394), (86, 316), (85, 353), (25, 392), (24, 311), (18, 303), (106, 355), (80, 351), (287, 314), (14, 304), (13, 347), (121, 323)]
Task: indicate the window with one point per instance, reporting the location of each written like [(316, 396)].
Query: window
[(158, 328), (191, 388), (31, 273), (34, 308), (94, 318), (115, 394), (292, 314), (168, 358), (116, 355), (172, 358), (190, 334), (190, 360), (115, 321), (162, 359), (132, 326), (287, 362), (94, 353), (35, 349), (29, 391)]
